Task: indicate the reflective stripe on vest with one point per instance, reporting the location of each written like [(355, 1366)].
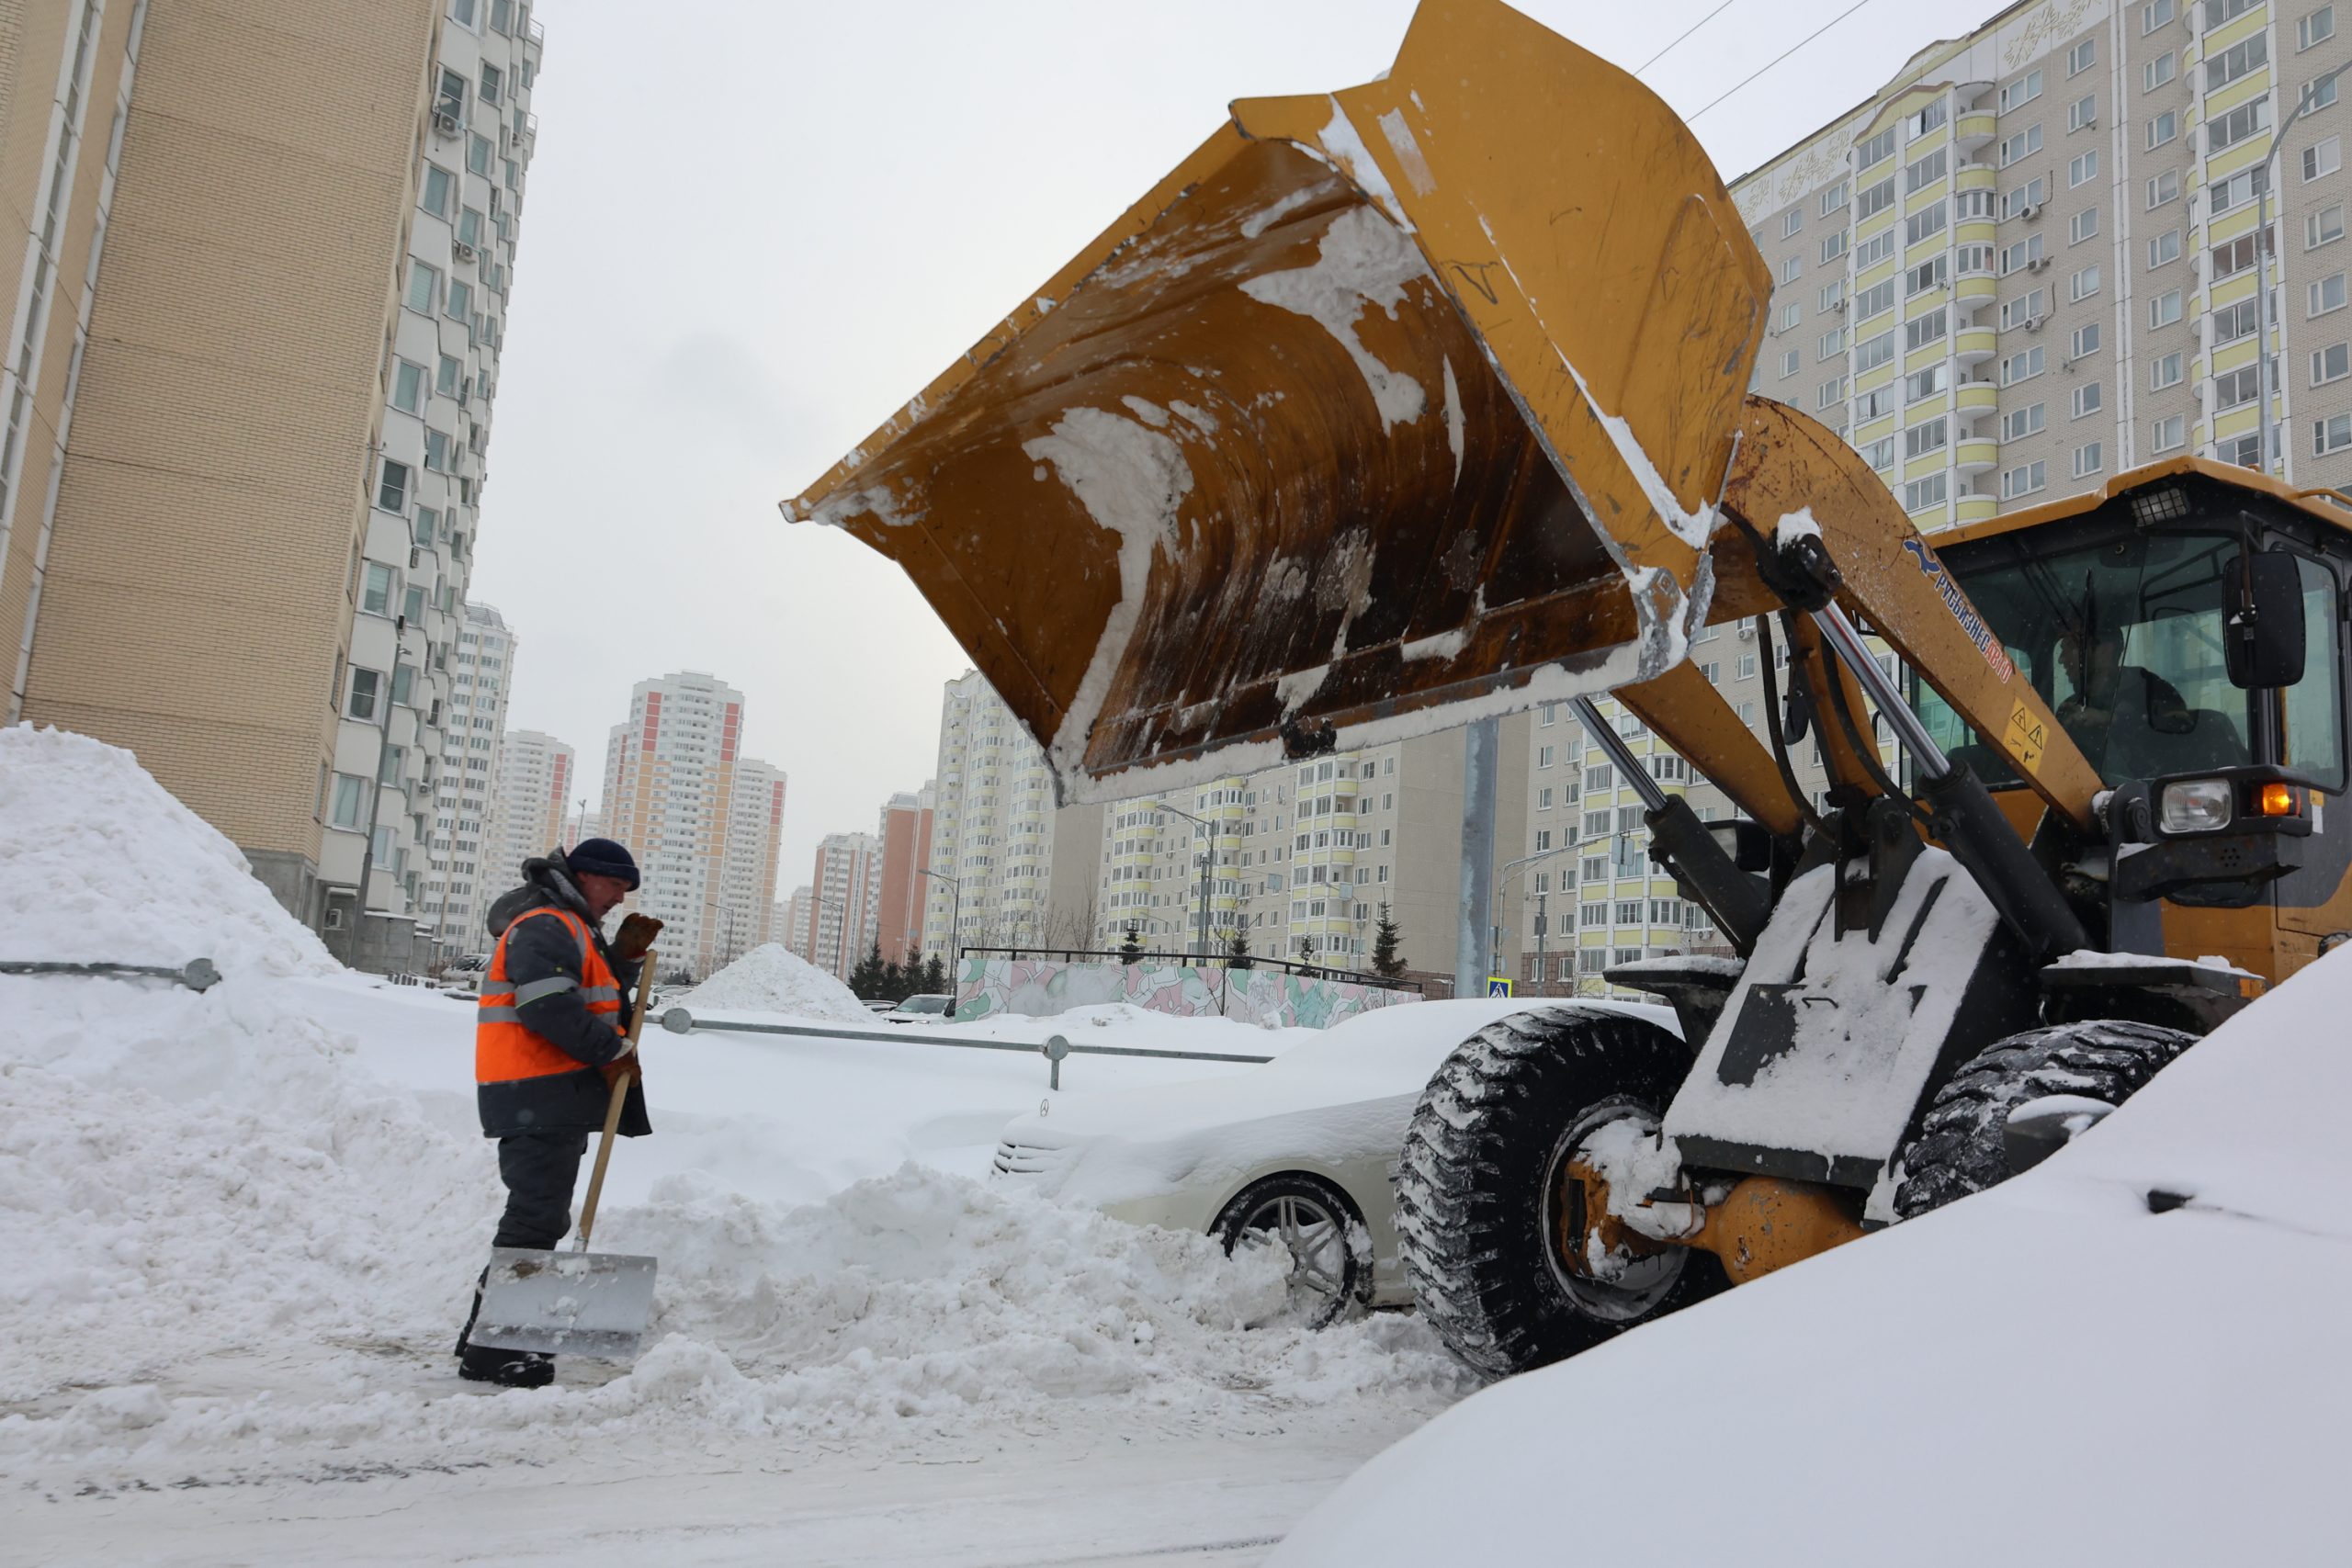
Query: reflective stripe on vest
[(504, 1047)]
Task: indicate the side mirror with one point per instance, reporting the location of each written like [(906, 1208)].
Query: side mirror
[(2262, 640), (1750, 844)]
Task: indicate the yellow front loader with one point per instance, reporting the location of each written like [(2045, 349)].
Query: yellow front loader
[(1427, 399)]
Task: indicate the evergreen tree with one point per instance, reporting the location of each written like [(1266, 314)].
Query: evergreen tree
[(1386, 962), (894, 981), (1236, 948), (935, 975), (865, 978), (1131, 945)]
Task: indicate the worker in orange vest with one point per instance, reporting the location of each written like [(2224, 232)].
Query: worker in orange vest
[(549, 1039)]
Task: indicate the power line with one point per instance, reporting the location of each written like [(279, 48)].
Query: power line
[(1776, 59), (1669, 49)]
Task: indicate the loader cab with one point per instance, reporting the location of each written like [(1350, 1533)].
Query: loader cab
[(2134, 614)]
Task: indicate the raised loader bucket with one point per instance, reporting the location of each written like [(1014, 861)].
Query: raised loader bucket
[(1417, 394)]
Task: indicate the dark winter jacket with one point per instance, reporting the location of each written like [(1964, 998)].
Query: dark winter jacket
[(542, 949)]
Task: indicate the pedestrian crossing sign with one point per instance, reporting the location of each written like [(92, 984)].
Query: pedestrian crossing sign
[(1497, 986)]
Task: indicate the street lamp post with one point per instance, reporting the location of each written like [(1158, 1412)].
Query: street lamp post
[(1209, 863), (2268, 246), (841, 939), (1502, 879), (955, 927)]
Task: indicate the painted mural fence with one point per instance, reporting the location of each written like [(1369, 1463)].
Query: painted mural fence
[(1041, 988)]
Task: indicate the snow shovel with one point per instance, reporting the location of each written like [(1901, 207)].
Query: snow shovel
[(578, 1303)]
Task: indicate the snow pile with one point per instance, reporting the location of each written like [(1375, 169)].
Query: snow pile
[(184, 1176), (773, 978), (98, 862)]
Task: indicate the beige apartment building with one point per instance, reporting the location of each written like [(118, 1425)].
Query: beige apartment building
[(706, 847), (240, 483), (465, 869), (533, 810), (845, 901)]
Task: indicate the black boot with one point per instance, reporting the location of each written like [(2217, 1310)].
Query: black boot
[(507, 1369)]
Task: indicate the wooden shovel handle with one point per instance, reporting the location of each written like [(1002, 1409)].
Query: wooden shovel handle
[(613, 1110)]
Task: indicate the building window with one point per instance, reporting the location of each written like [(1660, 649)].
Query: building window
[(2316, 27), (1878, 148), (366, 686), (2323, 158), (2246, 119), (2086, 460), (2082, 57), (2023, 310), (1869, 253), (1875, 199), (1792, 268), (2318, 95), (2331, 364), (2324, 226), (2331, 435), (2164, 371), (2025, 200), (1833, 245), (408, 387), (2082, 112), (2165, 308), (2086, 336), (2326, 295), (461, 302), (1921, 494), (2023, 144), (375, 590), (2021, 367), (478, 152), (350, 802), (391, 486), (2022, 91), (2157, 14), (2163, 248), (2168, 435), (440, 184), (2080, 167), (493, 82), (1928, 220), (436, 450), (2088, 398), (2159, 71), (449, 377), (423, 287), (2020, 422), (2023, 480), (1924, 173), (2162, 129)]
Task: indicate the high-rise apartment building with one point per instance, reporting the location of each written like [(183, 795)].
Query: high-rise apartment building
[(999, 845), (459, 879), (747, 872), (238, 505), (1303, 856), (670, 796), (905, 835), (798, 931), (846, 893), (2033, 260), (531, 812)]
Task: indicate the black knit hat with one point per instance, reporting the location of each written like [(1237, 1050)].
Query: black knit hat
[(602, 857)]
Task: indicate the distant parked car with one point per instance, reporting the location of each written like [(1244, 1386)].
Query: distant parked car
[(929, 1008), (1303, 1150), (880, 1004)]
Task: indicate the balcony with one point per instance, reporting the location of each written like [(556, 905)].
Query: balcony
[(1975, 398), (1975, 291), (1974, 508), (1977, 455), (1973, 131), (1974, 346)]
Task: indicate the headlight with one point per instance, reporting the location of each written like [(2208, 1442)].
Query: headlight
[(2195, 805)]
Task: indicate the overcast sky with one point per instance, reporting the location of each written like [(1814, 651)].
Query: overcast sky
[(754, 228)]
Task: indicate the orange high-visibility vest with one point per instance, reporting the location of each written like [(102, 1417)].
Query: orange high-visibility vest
[(504, 1047)]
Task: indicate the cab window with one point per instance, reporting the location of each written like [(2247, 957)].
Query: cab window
[(2316, 704)]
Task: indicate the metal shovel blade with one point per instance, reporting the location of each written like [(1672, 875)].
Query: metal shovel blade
[(564, 1304)]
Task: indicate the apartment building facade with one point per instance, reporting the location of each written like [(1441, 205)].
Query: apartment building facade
[(532, 811), (460, 878), (670, 796), (747, 871), (796, 930), (1303, 857), (845, 901), (240, 506), (904, 832), (2033, 260), (999, 846)]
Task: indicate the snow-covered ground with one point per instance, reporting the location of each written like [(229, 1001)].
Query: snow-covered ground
[(240, 1227), (2133, 1353)]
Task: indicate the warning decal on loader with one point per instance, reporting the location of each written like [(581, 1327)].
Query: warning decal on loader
[(2029, 737)]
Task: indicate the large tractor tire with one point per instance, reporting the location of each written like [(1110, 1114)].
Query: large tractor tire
[(1478, 1193), (1962, 1148)]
